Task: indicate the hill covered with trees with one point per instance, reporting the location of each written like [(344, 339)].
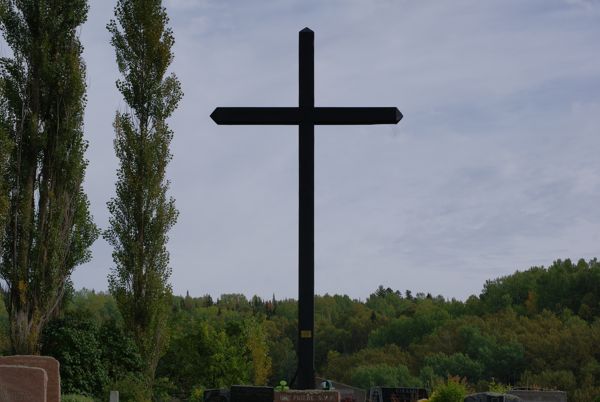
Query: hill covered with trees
[(539, 327)]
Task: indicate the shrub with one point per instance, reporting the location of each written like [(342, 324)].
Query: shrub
[(451, 391), (74, 342)]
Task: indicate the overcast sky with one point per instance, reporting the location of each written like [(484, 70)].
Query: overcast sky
[(494, 167)]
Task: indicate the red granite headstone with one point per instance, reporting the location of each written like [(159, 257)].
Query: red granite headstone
[(308, 395), (47, 363), (22, 384)]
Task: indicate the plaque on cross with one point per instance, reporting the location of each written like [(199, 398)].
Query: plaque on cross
[(306, 116)]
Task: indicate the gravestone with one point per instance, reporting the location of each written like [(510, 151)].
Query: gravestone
[(399, 394), (22, 384), (307, 396), (216, 395), (245, 393), (347, 392), (49, 364), (348, 395), (537, 395), (114, 396), (491, 397)]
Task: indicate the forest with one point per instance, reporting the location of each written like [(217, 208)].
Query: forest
[(536, 328)]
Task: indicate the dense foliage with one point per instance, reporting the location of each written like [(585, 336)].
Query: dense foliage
[(488, 342), (44, 216), (451, 391), (5, 152), (141, 212)]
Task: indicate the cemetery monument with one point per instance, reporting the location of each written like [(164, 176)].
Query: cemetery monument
[(306, 116)]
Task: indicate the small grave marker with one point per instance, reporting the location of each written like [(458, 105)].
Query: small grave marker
[(539, 395), (307, 395), (397, 394), (216, 395), (243, 393), (23, 384)]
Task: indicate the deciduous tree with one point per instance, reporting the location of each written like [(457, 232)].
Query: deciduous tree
[(5, 151), (141, 212), (49, 228)]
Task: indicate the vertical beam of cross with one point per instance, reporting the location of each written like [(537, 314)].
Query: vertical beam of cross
[(306, 115), (306, 216)]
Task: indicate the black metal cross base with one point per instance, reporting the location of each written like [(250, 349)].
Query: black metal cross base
[(306, 116)]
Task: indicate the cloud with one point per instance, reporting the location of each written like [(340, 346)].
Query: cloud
[(493, 168)]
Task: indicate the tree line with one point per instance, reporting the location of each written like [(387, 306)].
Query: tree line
[(498, 339)]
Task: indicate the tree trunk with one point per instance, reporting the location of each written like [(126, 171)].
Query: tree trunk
[(25, 333)]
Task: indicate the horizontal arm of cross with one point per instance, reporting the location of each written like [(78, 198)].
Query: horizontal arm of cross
[(256, 115), (294, 115), (357, 115)]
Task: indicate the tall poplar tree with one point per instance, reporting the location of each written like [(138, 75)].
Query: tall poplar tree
[(5, 151), (48, 228), (141, 212)]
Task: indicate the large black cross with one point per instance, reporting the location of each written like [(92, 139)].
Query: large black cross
[(306, 116)]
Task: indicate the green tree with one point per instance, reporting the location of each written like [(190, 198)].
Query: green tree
[(49, 228), (92, 354), (5, 151), (280, 349), (203, 356), (388, 302), (405, 330), (74, 341), (383, 375), (141, 212), (341, 366), (119, 352), (4, 330), (457, 364), (257, 346), (556, 379)]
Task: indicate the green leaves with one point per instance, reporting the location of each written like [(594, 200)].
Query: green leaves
[(383, 375), (457, 364), (5, 151), (141, 212), (143, 43), (563, 285), (450, 391), (91, 344), (49, 229)]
